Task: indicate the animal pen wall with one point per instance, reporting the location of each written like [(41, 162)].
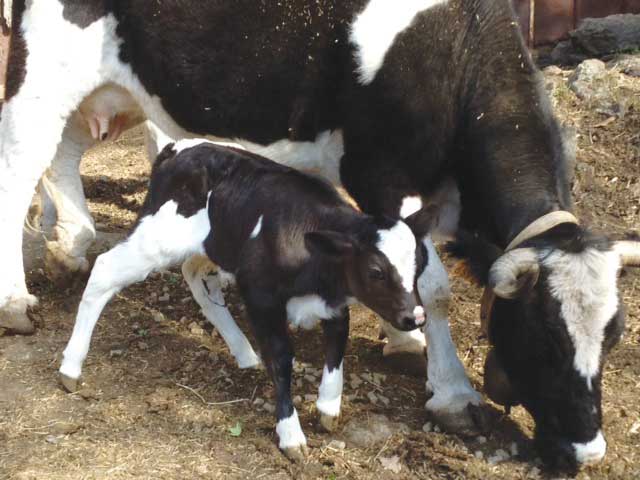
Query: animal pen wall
[(542, 21)]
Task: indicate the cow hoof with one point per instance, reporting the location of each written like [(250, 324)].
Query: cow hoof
[(471, 421), (296, 454), (63, 269), (16, 322), (250, 362), (329, 422), (408, 363), (69, 384)]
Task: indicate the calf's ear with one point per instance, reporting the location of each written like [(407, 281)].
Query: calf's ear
[(333, 245), (422, 221)]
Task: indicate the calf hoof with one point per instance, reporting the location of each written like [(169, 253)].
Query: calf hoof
[(250, 361), (63, 269), (296, 454), (408, 363), (16, 322), (329, 422), (69, 384)]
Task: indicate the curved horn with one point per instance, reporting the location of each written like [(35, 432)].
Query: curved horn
[(514, 273), (629, 252)]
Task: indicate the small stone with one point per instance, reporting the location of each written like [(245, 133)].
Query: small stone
[(379, 378), (481, 439), (310, 397), (165, 289), (478, 454), (164, 298), (185, 300), (383, 399), (350, 398), (366, 377), (143, 345), (355, 383), (437, 429), (635, 428), (534, 472), (297, 400), (310, 378), (213, 357), (116, 352), (258, 401), (337, 444), (391, 463), (269, 408), (53, 439), (299, 383), (135, 326), (65, 428), (158, 317), (373, 398), (196, 329), (427, 427)]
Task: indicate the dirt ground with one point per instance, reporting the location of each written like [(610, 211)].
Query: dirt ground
[(163, 398)]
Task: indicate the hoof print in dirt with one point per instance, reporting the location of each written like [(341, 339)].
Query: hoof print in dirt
[(329, 423), (296, 454), (408, 363)]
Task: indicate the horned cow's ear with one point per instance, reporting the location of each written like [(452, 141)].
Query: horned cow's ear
[(422, 221), (331, 244), (477, 255)]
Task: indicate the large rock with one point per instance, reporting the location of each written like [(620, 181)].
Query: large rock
[(627, 64), (601, 36), (598, 88)]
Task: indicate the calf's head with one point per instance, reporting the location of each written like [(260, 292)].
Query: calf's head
[(381, 259), (557, 313)]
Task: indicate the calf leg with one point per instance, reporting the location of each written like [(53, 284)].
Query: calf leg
[(447, 380), (270, 326), (73, 231), (336, 334), (206, 285), (148, 248)]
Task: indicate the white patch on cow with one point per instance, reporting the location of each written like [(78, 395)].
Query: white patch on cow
[(399, 246), (159, 241), (410, 205), (448, 381), (321, 156), (258, 228), (186, 143), (307, 311), (585, 284), (591, 452), (330, 392), (375, 29), (290, 432)]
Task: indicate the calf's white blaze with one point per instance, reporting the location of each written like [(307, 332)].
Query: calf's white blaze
[(330, 392), (591, 452), (289, 432), (376, 27), (585, 285), (398, 244)]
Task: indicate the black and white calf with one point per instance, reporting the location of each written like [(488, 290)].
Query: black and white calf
[(297, 250), (403, 102)]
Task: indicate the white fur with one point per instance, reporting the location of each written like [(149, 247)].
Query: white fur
[(410, 205), (258, 228), (591, 452), (399, 246), (585, 284), (330, 392), (185, 143), (306, 311), (159, 241), (290, 432), (448, 381), (207, 285), (321, 156), (375, 29)]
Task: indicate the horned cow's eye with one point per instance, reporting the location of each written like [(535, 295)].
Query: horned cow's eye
[(376, 273)]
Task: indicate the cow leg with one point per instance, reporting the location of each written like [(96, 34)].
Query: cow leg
[(74, 230), (147, 249), (447, 379), (270, 327), (207, 288), (336, 334), (154, 140)]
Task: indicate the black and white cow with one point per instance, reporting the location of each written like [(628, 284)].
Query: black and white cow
[(403, 102), (296, 248)]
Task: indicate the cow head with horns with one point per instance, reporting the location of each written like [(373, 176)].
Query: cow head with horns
[(552, 312)]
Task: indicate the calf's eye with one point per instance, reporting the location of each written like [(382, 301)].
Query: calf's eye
[(376, 274)]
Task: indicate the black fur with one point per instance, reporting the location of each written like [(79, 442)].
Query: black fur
[(17, 61)]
